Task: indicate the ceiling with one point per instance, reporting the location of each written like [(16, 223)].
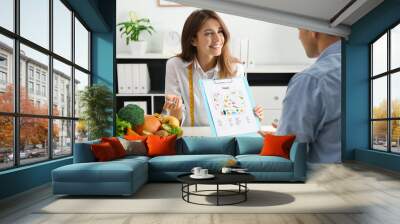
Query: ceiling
[(328, 16)]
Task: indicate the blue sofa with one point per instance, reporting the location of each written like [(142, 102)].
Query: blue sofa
[(125, 176)]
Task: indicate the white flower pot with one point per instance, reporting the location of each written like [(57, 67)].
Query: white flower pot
[(138, 47)]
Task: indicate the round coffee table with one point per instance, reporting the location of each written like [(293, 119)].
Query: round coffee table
[(238, 179)]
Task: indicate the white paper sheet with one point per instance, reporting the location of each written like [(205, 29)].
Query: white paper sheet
[(230, 107)]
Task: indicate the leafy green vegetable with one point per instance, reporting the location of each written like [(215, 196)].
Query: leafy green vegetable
[(176, 131), (133, 114), (122, 125)]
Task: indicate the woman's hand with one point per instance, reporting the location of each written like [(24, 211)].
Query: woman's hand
[(258, 111), (173, 104)]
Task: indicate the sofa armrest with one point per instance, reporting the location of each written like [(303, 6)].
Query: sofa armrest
[(298, 155), (83, 152)]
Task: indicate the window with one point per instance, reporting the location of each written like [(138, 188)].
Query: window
[(81, 45), (3, 61), (7, 14), (38, 89), (3, 78), (44, 91), (3, 72), (35, 22), (385, 94), (62, 29), (7, 83), (30, 88), (30, 72), (54, 126), (37, 74)]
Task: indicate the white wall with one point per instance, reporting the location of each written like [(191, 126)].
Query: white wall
[(269, 43)]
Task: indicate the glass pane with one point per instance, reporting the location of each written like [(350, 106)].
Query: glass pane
[(81, 81), (81, 131), (379, 135), (6, 74), (35, 21), (62, 138), (395, 94), (379, 55), (34, 97), (62, 29), (81, 45), (395, 47), (62, 89), (395, 136), (7, 14), (6, 142), (33, 139), (379, 97)]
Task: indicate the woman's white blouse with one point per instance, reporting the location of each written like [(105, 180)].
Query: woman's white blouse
[(177, 83)]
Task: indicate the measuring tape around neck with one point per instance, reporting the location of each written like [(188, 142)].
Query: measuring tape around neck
[(191, 95)]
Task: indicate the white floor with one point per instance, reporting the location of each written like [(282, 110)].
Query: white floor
[(379, 190)]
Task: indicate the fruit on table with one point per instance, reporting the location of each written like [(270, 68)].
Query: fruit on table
[(129, 131), (162, 133), (170, 120), (147, 133), (151, 123)]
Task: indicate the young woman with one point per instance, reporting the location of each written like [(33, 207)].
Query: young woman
[(205, 55)]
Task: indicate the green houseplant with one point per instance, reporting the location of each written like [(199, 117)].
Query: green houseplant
[(96, 102), (132, 29)]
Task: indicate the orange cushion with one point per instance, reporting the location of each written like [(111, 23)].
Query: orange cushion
[(103, 152), (275, 145), (135, 138), (116, 145), (158, 146)]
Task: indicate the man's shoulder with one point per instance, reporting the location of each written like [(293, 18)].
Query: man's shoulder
[(330, 65)]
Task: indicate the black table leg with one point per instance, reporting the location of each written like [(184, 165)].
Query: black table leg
[(245, 193), (217, 194)]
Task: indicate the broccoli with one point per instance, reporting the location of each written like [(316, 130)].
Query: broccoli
[(122, 126), (133, 114)]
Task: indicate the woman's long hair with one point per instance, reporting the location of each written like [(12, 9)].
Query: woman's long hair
[(192, 26)]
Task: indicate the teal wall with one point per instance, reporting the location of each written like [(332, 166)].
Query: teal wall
[(103, 52), (24, 178), (99, 15), (356, 86)]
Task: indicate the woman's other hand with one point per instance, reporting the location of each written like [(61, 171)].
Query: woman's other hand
[(173, 104), (259, 112)]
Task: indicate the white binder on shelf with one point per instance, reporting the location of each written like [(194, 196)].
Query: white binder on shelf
[(127, 77), (121, 75), (144, 79), (134, 78)]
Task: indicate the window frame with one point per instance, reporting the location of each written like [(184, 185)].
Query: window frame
[(388, 74), (16, 114)]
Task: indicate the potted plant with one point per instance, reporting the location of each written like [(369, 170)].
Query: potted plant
[(132, 29), (96, 102)]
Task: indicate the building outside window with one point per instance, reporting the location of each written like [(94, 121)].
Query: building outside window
[(34, 79), (385, 92)]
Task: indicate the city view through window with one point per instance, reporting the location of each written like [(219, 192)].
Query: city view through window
[(385, 92), (42, 122)]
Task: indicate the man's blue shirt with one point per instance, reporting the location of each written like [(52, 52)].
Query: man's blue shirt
[(312, 107)]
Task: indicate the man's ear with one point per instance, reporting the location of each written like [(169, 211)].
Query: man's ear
[(314, 35)]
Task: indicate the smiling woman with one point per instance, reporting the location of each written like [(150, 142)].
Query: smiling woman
[(205, 55)]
